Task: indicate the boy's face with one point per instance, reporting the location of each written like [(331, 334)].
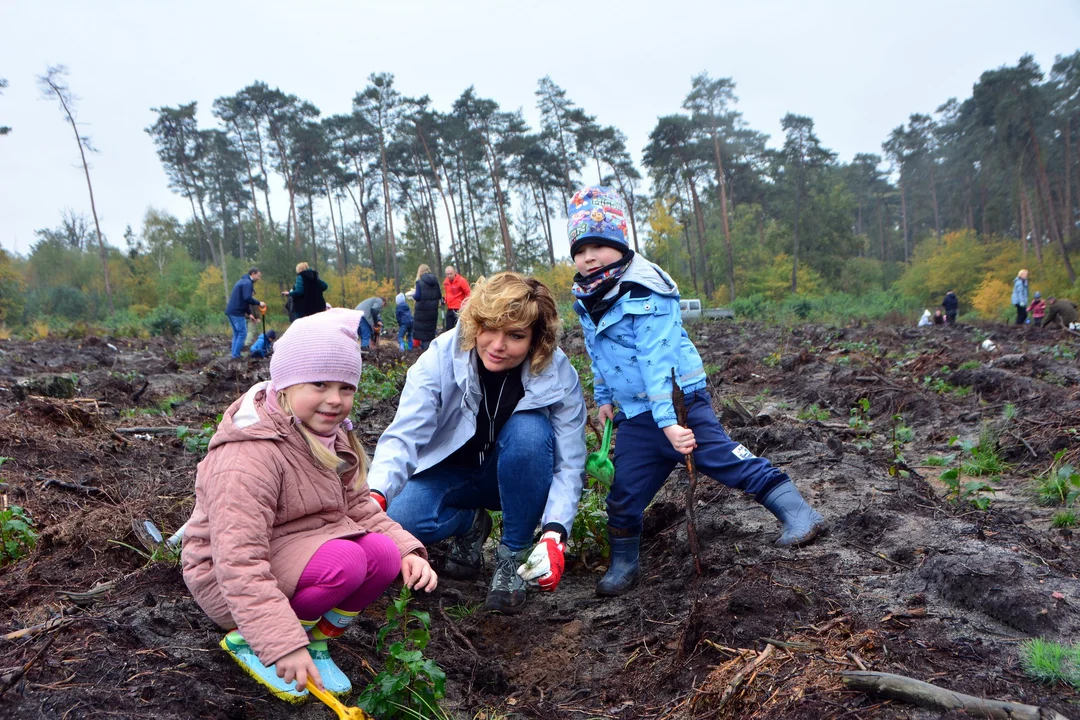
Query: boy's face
[(590, 257)]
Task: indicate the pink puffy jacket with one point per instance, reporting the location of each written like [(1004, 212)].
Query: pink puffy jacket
[(262, 509)]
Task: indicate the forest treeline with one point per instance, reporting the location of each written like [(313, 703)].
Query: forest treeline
[(960, 199)]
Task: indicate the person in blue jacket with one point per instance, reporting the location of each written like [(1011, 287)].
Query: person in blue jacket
[(262, 346), (629, 311), (491, 417), (1020, 296), (242, 307), (404, 322)]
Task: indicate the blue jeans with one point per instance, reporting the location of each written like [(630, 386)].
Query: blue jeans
[(239, 332), (644, 460), (441, 501), (365, 333), (404, 336)]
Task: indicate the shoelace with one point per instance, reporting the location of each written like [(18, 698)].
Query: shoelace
[(506, 574)]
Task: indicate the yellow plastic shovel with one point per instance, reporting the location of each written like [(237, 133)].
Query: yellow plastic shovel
[(343, 712)]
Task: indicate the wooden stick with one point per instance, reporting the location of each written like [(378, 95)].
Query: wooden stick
[(147, 430), (926, 695), (681, 414)]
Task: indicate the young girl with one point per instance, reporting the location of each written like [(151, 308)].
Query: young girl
[(285, 547)]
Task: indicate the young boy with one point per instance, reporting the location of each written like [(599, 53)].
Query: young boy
[(629, 311), (261, 347), (405, 323)]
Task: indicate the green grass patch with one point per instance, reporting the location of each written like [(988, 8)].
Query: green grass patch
[(1050, 662)]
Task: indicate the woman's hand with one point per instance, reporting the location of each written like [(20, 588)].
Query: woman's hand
[(682, 439), (417, 573), (298, 666), (607, 412)]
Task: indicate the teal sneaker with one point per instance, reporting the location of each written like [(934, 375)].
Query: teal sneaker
[(333, 679), (241, 652)]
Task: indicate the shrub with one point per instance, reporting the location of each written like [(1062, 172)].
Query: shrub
[(165, 321), (17, 534)]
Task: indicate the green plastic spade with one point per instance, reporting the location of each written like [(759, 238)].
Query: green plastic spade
[(598, 464)]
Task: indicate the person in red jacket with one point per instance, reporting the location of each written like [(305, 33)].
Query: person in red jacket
[(455, 289)]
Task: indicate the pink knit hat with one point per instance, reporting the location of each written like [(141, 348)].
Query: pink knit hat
[(318, 348)]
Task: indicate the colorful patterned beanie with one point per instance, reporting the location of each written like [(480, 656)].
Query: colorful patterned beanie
[(596, 214), (318, 348)]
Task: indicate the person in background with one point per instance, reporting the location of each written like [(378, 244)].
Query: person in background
[(426, 296), (1037, 309), (951, 304), (1060, 312), (240, 310), (926, 319), (939, 317), (371, 323), (456, 289), (1020, 296), (264, 344), (634, 335), (307, 293), (405, 323), (285, 547)]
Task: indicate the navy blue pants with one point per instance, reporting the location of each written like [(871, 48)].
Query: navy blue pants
[(644, 460)]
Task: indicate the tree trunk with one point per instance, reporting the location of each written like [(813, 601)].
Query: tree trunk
[(504, 228), (1046, 201), (102, 252), (391, 245), (439, 187), (706, 275), (721, 184), (881, 241), (314, 239), (690, 255), (545, 227), (290, 186), (933, 199), (1067, 222), (1023, 226), (266, 185), (1036, 231), (339, 242), (795, 254), (251, 184), (547, 221), (476, 229), (903, 213)]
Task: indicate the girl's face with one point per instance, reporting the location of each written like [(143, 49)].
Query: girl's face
[(505, 348), (322, 405), (590, 257)]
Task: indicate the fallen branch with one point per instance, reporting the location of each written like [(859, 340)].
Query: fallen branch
[(47, 626), (147, 430), (9, 679), (75, 487), (926, 695), (679, 401)]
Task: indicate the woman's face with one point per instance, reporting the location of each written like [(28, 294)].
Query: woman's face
[(505, 348), (321, 405)]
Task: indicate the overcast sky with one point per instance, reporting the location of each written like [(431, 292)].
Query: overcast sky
[(857, 68)]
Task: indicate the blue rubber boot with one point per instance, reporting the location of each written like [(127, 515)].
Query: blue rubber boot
[(333, 679), (624, 569), (241, 652), (801, 522)]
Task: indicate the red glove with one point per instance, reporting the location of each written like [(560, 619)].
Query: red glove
[(379, 499), (544, 568)]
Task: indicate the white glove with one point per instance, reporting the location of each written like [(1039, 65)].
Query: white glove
[(544, 567)]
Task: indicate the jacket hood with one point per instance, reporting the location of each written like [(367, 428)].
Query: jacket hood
[(429, 279), (249, 419), (651, 276)]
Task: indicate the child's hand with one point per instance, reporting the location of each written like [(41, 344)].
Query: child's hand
[(682, 439), (417, 573), (607, 412), (298, 666)]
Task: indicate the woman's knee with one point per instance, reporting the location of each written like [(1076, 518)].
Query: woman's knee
[(526, 432)]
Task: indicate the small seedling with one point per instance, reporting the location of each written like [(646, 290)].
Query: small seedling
[(1050, 662), (1060, 485), (1065, 519), (975, 491), (813, 412), (412, 685), (17, 534)]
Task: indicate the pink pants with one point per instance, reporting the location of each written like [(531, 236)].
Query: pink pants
[(347, 575)]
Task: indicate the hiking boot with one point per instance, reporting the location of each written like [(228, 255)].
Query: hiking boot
[(507, 593), (241, 652), (624, 569), (801, 522), (466, 556), (333, 679)]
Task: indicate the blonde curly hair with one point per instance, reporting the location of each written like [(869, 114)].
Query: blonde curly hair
[(510, 299)]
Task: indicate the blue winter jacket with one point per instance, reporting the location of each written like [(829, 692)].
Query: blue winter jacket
[(437, 412), (636, 344), (403, 314), (242, 300), (1020, 292)]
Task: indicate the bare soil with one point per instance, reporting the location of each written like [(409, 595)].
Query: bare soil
[(907, 581)]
